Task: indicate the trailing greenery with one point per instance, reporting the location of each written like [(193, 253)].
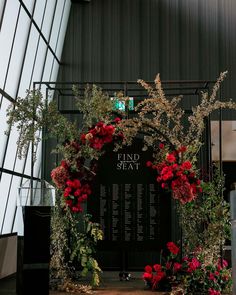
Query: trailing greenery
[(84, 244), (73, 243), (206, 221), (31, 114)]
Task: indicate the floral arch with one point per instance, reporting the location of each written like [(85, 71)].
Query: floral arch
[(160, 121)]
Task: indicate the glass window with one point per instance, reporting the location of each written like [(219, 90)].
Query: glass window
[(63, 29), (11, 205), (56, 23), (48, 18), (11, 149), (29, 62), (17, 54), (48, 66), (37, 74), (6, 36), (39, 11), (4, 187), (29, 4), (3, 128)]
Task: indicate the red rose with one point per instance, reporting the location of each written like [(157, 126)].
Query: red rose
[(117, 120), (149, 164), (173, 248), (147, 276), (170, 158), (182, 149), (186, 165), (161, 145), (148, 269), (177, 266), (157, 267)]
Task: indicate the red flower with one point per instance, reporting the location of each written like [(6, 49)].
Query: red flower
[(170, 158), (147, 276), (117, 120), (161, 145), (148, 269), (186, 165), (149, 164), (193, 265), (222, 263), (213, 292), (173, 248), (168, 265), (177, 266), (157, 267), (182, 149), (212, 277)]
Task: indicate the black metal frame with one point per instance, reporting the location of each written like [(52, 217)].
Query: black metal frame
[(190, 88), (63, 90)]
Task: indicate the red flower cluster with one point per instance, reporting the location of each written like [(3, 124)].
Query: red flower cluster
[(173, 248), (177, 177), (211, 278), (59, 176), (75, 193), (99, 135), (151, 279)]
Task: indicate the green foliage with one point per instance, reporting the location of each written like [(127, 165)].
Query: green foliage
[(206, 220), (28, 115), (83, 246), (59, 269), (95, 105), (31, 114)]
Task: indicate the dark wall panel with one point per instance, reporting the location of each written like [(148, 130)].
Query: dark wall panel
[(110, 40)]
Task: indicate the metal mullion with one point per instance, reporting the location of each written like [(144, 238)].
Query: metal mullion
[(7, 96), (40, 32), (14, 173), (58, 35)]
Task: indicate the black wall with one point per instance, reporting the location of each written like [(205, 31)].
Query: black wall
[(110, 40)]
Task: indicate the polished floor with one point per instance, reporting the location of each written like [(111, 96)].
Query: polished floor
[(110, 285)]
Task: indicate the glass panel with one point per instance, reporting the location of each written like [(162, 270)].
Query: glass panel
[(48, 67), (11, 149), (4, 185), (39, 61), (18, 222), (11, 206), (48, 18), (56, 23), (54, 70), (63, 29), (3, 127), (6, 36), (17, 54), (27, 170), (29, 4), (29, 62), (38, 12)]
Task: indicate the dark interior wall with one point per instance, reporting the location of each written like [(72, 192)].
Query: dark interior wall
[(110, 40)]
